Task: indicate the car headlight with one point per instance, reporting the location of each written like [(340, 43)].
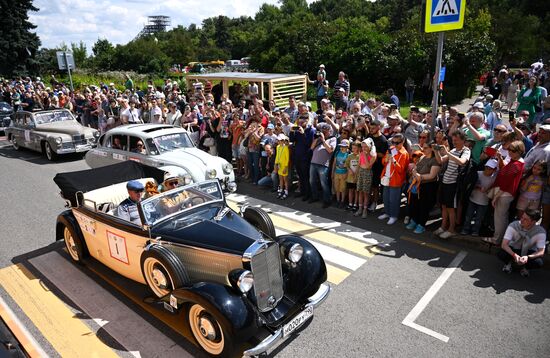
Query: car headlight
[(96, 134), (58, 140), (295, 253), (227, 168), (232, 187), (211, 173), (187, 179), (245, 282)]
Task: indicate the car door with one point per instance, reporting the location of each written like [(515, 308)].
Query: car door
[(16, 128), (136, 153), (112, 241), (32, 135), (108, 151)]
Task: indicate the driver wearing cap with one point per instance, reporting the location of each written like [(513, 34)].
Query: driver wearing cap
[(128, 209)]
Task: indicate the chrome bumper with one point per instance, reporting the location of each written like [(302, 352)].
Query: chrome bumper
[(319, 297)]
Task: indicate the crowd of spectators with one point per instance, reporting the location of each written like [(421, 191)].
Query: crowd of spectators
[(482, 169)]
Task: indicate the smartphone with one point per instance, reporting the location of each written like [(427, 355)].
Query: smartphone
[(393, 152), (512, 114)]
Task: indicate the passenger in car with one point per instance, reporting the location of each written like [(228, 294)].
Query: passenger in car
[(128, 209), (140, 148), (116, 143), (171, 204)]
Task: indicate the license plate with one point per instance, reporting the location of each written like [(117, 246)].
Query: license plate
[(83, 147), (297, 321)]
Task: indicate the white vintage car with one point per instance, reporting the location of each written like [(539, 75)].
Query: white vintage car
[(161, 146)]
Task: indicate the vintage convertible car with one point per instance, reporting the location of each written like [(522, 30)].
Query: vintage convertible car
[(52, 132), (6, 111), (234, 280), (162, 146)]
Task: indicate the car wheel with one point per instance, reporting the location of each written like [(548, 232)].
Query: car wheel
[(208, 331), (50, 154), (260, 220), (162, 270), (14, 143), (74, 244)]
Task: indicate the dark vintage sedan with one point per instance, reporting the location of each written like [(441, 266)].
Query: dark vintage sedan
[(52, 132), (228, 272), (6, 111)]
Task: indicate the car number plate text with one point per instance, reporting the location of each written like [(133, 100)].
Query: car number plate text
[(297, 321)]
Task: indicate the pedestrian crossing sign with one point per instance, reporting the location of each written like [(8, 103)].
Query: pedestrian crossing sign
[(444, 15)]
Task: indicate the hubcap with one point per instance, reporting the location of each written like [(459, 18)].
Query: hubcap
[(71, 246), (48, 151), (207, 328), (159, 278)]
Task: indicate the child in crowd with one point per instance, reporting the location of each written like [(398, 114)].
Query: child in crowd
[(367, 157), (530, 191), (352, 164), (282, 159), (340, 172), (479, 201)]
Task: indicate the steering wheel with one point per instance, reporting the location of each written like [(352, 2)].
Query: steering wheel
[(190, 202)]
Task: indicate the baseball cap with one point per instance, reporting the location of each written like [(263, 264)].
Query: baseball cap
[(325, 100), (344, 143), (270, 126), (545, 127), (322, 66), (478, 105), (135, 185), (492, 163), (282, 137), (169, 176)]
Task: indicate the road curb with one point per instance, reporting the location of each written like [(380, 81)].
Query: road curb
[(23, 336)]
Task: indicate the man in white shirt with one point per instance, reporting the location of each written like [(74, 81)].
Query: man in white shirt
[(523, 244)]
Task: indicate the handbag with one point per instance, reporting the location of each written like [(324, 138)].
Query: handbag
[(245, 142)]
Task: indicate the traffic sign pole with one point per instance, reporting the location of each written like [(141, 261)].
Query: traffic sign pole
[(69, 70), (435, 86)]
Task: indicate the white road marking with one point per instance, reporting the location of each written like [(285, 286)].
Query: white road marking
[(425, 300), (335, 256)]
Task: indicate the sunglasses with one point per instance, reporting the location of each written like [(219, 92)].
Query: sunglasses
[(499, 130), (422, 137), (172, 182)]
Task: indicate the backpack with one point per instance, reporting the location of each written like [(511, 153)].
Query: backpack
[(466, 179)]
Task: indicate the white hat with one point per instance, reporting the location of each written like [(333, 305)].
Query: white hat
[(169, 175), (545, 127), (281, 136), (478, 105), (492, 163), (156, 111), (322, 66)]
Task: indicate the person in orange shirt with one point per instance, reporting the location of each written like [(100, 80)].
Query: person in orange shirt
[(393, 177)]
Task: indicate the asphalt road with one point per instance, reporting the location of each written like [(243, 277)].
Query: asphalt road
[(480, 310)]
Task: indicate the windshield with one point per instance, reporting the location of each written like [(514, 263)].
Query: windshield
[(169, 203), (169, 142), (50, 117)]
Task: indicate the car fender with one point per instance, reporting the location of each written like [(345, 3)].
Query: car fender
[(66, 218), (303, 278), (231, 308)]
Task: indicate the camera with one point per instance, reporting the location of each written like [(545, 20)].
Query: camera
[(437, 147), (317, 135), (414, 109), (393, 107), (294, 128)]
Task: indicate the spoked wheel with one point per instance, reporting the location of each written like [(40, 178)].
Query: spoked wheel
[(208, 331), (74, 244), (50, 154), (162, 270)]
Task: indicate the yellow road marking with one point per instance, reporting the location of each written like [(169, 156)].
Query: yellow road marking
[(336, 275), (318, 234), (67, 334), (427, 244), (30, 346)]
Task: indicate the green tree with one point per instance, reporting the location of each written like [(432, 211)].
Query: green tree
[(103, 58), (18, 45), (79, 53)]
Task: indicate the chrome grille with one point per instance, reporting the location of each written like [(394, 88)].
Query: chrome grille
[(268, 276), (79, 139)]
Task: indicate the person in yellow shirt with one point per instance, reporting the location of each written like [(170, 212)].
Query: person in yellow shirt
[(282, 159)]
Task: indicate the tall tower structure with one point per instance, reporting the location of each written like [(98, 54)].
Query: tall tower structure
[(155, 24)]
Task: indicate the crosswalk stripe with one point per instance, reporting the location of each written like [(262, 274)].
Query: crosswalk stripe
[(67, 334), (336, 275), (317, 234), (333, 255)]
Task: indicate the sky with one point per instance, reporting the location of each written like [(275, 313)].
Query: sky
[(119, 21)]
